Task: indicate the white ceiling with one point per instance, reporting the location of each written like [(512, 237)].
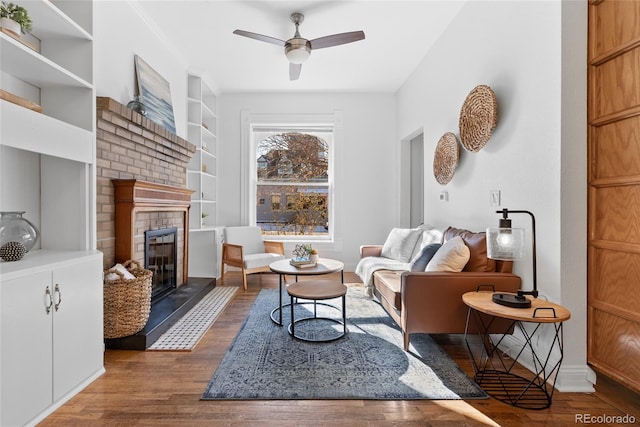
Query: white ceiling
[(398, 35)]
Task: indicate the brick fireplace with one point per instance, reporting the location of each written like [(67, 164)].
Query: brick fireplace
[(131, 148), (143, 207), (141, 175)]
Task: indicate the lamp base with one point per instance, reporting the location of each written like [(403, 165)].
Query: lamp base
[(511, 300)]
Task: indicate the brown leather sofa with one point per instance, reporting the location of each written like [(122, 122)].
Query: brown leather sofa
[(431, 302)]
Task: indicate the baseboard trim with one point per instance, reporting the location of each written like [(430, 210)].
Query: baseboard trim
[(64, 399), (570, 378), (576, 379)]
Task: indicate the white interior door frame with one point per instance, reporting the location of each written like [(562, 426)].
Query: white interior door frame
[(406, 177)]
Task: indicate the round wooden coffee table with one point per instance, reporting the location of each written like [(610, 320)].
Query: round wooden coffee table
[(316, 290), (283, 267)]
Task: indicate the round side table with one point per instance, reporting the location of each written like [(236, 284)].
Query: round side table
[(283, 267), (504, 379), (316, 290)]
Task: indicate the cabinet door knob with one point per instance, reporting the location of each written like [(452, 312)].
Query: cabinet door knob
[(57, 296), (48, 300)]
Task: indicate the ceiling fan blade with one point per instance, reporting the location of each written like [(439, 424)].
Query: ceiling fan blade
[(260, 37), (336, 39), (294, 71)]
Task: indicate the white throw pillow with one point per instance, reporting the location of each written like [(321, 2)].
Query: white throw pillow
[(452, 256), (429, 235), (400, 244)]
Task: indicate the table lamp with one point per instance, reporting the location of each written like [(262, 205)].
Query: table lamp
[(507, 243)]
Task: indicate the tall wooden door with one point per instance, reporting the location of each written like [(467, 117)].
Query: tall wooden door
[(614, 190)]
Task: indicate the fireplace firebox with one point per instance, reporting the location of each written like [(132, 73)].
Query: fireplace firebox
[(161, 257)]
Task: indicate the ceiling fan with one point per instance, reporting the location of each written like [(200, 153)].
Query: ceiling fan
[(298, 49)]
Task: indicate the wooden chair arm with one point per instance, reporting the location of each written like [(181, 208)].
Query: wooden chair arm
[(232, 253), (272, 247)]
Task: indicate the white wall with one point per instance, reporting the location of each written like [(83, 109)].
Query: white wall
[(366, 168), (537, 154), (122, 32)]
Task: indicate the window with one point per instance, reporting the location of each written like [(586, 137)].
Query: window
[(292, 173)]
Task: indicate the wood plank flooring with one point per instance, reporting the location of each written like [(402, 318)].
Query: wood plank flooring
[(163, 389)]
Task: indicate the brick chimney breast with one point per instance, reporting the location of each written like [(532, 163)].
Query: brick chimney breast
[(132, 147)]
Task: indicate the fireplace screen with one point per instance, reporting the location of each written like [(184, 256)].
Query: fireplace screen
[(160, 257)]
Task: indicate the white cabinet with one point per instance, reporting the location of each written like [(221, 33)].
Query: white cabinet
[(47, 169), (202, 129), (51, 337), (205, 252)]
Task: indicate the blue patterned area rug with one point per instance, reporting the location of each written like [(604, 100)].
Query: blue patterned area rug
[(265, 362)]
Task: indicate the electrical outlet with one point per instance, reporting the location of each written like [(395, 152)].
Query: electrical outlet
[(494, 198), (444, 196)]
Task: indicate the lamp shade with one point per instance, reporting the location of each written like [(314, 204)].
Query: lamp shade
[(505, 243)]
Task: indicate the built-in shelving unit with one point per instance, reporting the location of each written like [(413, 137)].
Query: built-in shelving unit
[(54, 150), (47, 169), (202, 131)]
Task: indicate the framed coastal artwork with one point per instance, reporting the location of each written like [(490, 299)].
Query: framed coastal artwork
[(156, 95)]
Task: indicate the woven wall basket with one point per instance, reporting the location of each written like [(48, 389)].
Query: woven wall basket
[(445, 158), (478, 118), (127, 303)]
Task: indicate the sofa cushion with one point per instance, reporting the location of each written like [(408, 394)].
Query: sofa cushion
[(400, 243), (452, 256), (425, 255), (260, 260), (389, 283), (477, 244)]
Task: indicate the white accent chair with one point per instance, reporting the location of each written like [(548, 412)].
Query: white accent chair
[(244, 248)]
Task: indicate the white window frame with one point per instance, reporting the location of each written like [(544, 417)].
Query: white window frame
[(250, 122)]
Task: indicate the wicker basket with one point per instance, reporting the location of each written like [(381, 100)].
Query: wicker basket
[(127, 303)]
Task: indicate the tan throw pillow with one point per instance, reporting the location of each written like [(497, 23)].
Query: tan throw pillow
[(452, 256), (477, 244)]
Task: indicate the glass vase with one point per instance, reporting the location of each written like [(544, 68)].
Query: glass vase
[(15, 228), (137, 105)]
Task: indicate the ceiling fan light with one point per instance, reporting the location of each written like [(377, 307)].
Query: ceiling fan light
[(297, 50), (297, 56)]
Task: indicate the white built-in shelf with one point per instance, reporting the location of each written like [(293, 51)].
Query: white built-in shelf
[(32, 131), (202, 128), (56, 147), (202, 170), (51, 22), (34, 68)]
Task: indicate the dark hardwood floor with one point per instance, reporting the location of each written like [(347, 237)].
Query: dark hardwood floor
[(163, 389)]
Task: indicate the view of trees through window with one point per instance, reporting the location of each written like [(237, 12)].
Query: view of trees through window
[(292, 192)]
